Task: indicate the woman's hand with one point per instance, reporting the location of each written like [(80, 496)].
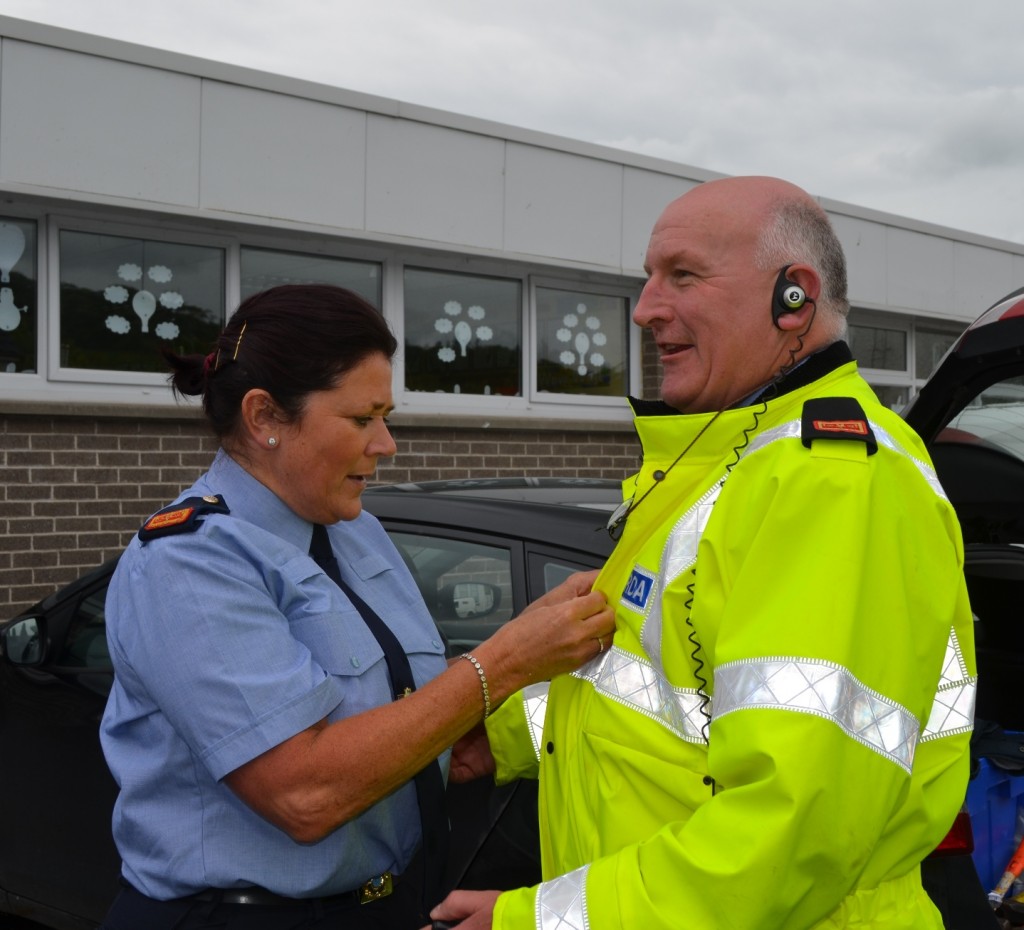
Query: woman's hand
[(573, 586), (555, 635), (467, 910), (471, 756)]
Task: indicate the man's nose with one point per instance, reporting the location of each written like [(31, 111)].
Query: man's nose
[(651, 305)]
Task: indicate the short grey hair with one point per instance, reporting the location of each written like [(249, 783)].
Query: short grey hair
[(800, 231)]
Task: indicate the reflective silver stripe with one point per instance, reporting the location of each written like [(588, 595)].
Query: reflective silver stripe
[(680, 551), (884, 439), (792, 430), (562, 902), (535, 703), (679, 556), (824, 689), (637, 684), (953, 709)]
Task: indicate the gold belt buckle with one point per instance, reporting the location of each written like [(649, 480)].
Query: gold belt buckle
[(380, 886)]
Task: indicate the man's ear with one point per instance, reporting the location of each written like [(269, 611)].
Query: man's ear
[(795, 297)]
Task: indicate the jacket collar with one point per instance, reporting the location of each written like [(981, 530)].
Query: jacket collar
[(808, 370)]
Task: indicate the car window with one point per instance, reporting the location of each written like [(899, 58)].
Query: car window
[(994, 417), (85, 645), (549, 569), (467, 585)]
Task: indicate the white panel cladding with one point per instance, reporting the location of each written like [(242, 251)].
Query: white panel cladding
[(563, 206), (864, 243), (435, 183), (644, 195), (284, 157), (921, 279), (978, 272), (98, 126)]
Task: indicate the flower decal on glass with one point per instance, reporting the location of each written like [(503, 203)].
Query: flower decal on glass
[(144, 303), (463, 330), (12, 247), (574, 330)]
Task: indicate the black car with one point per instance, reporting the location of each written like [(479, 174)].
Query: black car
[(482, 549), (479, 550)]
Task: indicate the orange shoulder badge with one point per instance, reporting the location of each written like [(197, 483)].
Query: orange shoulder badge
[(836, 418), (182, 517)]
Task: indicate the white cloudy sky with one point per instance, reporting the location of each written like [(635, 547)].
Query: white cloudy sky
[(914, 107)]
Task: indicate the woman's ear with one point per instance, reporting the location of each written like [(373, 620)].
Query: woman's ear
[(260, 418)]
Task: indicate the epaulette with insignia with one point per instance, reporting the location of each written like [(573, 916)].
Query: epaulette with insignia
[(182, 517), (836, 418)]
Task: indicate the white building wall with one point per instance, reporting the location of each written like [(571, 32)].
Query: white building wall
[(91, 121)]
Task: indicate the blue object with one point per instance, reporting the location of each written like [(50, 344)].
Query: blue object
[(993, 797)]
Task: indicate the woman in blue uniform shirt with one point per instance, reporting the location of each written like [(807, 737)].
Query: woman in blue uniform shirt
[(266, 772)]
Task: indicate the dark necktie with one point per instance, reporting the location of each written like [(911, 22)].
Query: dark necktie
[(429, 782)]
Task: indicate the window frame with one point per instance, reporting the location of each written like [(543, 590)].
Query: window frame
[(631, 349), (104, 376), (39, 217), (908, 379), (56, 383)]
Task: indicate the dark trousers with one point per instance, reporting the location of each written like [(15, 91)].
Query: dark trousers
[(132, 910)]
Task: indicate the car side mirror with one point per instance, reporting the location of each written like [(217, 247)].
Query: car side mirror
[(25, 642), (469, 600)]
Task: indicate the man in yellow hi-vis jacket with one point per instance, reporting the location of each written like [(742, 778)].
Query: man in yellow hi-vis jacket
[(778, 733)]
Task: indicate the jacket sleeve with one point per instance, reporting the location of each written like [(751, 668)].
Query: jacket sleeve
[(827, 588), (514, 731)]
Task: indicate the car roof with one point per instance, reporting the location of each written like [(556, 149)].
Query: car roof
[(593, 493), (515, 508), (569, 513)]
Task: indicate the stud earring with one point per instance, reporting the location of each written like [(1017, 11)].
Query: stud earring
[(272, 441)]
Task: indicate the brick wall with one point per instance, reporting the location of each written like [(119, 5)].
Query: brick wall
[(73, 489)]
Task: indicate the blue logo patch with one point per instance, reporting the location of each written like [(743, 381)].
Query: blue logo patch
[(638, 589)]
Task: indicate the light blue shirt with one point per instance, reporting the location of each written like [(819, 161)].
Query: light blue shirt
[(227, 641)]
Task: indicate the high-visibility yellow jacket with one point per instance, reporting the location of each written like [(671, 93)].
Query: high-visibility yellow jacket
[(779, 733)]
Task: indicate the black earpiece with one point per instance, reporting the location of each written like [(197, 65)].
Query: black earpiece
[(787, 296)]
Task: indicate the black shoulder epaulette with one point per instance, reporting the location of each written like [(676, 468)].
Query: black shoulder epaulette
[(182, 517), (836, 418)]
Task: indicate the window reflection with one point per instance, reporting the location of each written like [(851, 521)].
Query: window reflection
[(17, 296), (462, 333), (121, 299), (875, 347), (929, 348), (581, 342), (263, 268)]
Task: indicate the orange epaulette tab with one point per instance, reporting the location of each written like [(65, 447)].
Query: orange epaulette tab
[(182, 517), (836, 418)]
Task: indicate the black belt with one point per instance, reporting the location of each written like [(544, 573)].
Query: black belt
[(380, 886)]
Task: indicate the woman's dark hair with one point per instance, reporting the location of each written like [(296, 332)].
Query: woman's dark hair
[(290, 341)]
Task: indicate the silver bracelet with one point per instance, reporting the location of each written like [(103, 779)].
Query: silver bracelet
[(472, 659)]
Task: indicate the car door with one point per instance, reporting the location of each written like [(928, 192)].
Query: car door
[(57, 857), (971, 415)]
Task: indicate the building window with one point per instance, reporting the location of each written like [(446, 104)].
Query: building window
[(581, 342), (462, 333), (896, 358), (18, 307), (877, 347), (929, 348), (263, 268), (122, 299)]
